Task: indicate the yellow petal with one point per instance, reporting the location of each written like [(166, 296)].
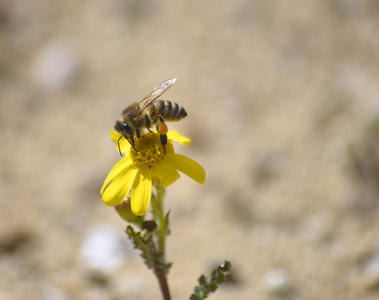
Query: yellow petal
[(119, 187), (119, 140), (141, 192), (165, 172), (175, 136), (120, 166), (187, 166)]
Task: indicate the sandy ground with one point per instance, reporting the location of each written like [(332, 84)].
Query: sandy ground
[(283, 105)]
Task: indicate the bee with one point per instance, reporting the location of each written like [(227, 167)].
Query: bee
[(147, 113)]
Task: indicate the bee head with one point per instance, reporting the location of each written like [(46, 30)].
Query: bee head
[(126, 131), (124, 128)]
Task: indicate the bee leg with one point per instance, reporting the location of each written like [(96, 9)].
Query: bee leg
[(162, 130), (164, 142), (138, 133)]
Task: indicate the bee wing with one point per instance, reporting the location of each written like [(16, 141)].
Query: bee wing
[(159, 90)]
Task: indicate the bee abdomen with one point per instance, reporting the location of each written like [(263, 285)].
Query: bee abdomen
[(169, 110)]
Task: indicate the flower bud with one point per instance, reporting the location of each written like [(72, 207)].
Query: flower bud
[(150, 225), (125, 212)]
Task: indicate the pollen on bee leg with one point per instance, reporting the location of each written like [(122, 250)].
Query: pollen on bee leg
[(162, 128)]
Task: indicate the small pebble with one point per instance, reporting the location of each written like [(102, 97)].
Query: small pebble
[(370, 278), (105, 249), (55, 65), (53, 293), (277, 282)]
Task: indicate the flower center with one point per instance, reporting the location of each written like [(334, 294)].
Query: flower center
[(150, 150)]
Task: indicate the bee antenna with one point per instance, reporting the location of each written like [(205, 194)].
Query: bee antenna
[(133, 146), (118, 144)]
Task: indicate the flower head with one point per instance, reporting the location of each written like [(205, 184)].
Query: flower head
[(138, 170)]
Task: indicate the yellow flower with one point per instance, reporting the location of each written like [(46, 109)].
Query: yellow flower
[(138, 170)]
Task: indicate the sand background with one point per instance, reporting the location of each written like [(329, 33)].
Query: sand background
[(283, 104)]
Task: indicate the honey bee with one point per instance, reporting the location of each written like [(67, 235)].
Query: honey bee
[(147, 113)]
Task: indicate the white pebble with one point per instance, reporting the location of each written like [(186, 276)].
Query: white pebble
[(277, 282), (370, 278), (55, 65), (105, 249)]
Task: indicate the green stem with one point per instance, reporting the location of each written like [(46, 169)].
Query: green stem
[(162, 280), (161, 232), (151, 257), (162, 222)]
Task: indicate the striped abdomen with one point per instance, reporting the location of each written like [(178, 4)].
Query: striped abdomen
[(170, 111)]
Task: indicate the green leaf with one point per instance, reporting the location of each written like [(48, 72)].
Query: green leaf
[(144, 242), (217, 277)]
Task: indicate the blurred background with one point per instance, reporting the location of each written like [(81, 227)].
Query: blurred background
[(283, 112)]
